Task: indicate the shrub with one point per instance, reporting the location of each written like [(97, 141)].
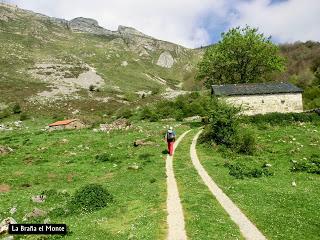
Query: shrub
[(125, 113), (16, 109), (224, 124), (156, 91), (90, 198), (4, 113), (310, 166), (105, 157), (240, 171), (282, 118), (24, 117), (57, 212), (91, 88), (149, 114), (245, 142)]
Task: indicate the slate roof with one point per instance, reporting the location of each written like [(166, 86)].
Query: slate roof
[(64, 122), (254, 89)]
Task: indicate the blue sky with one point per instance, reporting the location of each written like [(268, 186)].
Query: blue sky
[(193, 23)]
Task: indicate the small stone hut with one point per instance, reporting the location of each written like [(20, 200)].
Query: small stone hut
[(67, 124), (261, 98)]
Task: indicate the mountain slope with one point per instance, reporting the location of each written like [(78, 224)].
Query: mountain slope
[(54, 62)]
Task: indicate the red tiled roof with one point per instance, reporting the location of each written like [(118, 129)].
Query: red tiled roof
[(64, 122)]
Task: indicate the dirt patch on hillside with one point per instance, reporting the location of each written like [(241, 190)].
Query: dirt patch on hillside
[(4, 188), (65, 80)]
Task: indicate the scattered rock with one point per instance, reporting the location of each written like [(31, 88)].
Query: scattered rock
[(133, 167), (144, 93), (36, 213), (39, 198), (75, 112), (267, 165), (191, 119), (64, 141), (120, 124), (124, 64), (47, 221), (13, 210), (165, 60), (293, 184), (142, 142), (4, 225), (5, 150), (4, 188)]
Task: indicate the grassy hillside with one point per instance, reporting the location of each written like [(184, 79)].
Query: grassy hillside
[(282, 205), (57, 164), (126, 63)]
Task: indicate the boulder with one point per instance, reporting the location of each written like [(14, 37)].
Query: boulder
[(4, 225), (39, 198), (165, 60), (133, 167), (142, 142), (5, 150), (36, 213), (124, 64)]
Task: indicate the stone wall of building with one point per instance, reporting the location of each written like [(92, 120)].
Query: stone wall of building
[(261, 104), (75, 125)]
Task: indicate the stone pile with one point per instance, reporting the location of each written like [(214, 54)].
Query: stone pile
[(120, 124)]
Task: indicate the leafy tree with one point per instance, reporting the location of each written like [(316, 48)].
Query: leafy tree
[(315, 68), (242, 56)]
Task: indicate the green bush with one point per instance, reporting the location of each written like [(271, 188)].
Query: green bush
[(106, 157), (182, 107), (16, 109), (149, 114), (90, 198), (310, 166), (92, 88), (245, 142), (57, 212), (240, 171), (224, 123), (24, 117), (125, 113), (282, 118), (4, 113)]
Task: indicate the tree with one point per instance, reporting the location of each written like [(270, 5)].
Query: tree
[(242, 56)]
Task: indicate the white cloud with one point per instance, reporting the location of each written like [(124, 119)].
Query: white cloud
[(286, 21), (189, 22), (172, 20)]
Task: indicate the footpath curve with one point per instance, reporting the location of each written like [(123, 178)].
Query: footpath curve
[(247, 228), (175, 218)]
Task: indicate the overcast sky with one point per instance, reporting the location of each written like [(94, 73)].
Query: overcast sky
[(192, 23)]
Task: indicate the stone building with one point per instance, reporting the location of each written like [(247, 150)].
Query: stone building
[(261, 98), (67, 124)]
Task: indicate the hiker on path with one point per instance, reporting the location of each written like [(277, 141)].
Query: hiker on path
[(170, 137)]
